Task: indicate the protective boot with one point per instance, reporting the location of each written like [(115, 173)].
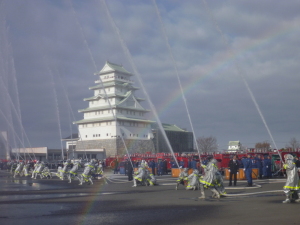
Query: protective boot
[(134, 183), (298, 200), (202, 192), (287, 200), (80, 180), (215, 193), (177, 186), (70, 180), (202, 195)]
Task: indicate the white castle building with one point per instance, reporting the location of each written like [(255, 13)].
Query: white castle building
[(114, 114)]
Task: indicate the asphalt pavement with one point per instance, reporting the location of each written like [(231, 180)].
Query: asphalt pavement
[(114, 201)]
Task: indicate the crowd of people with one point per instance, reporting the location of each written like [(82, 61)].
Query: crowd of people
[(204, 175), (262, 163)]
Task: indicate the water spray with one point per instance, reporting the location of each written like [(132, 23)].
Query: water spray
[(240, 72), (177, 75), (129, 57), (101, 83)]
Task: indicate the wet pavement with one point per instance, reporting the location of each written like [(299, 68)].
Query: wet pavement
[(115, 201)]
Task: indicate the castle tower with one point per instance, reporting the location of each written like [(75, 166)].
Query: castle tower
[(114, 113)]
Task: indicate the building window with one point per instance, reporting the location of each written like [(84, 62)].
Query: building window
[(86, 136)]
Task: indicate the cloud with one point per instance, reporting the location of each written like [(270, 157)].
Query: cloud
[(47, 41)]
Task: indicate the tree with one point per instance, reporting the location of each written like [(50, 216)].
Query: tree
[(265, 146), (207, 144), (293, 144)]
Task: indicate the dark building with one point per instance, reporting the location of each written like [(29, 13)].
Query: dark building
[(180, 139)]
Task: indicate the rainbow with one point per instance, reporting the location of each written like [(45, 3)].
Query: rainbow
[(224, 62)]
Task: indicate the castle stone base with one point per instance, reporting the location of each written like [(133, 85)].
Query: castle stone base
[(116, 146)]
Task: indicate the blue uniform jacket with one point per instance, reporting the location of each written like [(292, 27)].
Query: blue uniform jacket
[(247, 163)]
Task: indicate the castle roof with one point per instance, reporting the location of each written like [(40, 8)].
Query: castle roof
[(231, 143), (110, 118), (112, 67), (112, 95), (169, 127), (113, 83)]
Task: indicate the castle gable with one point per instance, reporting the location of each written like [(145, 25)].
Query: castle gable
[(130, 102)]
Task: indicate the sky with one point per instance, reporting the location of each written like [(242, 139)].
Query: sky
[(231, 66)]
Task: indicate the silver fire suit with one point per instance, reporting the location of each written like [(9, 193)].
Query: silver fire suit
[(292, 181)]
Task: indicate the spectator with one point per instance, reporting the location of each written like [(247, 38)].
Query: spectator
[(233, 170)]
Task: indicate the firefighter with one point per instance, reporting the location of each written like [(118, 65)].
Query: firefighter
[(39, 169), (160, 168), (210, 177), (150, 179), (19, 169), (36, 165), (46, 173), (25, 170), (193, 179), (64, 171), (258, 164), (247, 162), (73, 173), (140, 175), (86, 176), (267, 164), (219, 184), (292, 182), (183, 177)]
